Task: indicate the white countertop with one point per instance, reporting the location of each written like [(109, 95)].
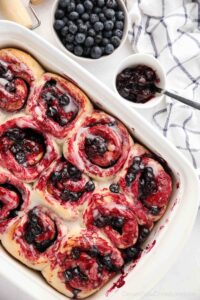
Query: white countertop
[(182, 282)]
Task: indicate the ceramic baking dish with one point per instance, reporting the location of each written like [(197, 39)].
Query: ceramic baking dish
[(170, 233)]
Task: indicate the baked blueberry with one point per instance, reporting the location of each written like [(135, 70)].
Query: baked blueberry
[(68, 275), (56, 176), (20, 157), (90, 186), (10, 87), (75, 253), (52, 112), (114, 187), (131, 253), (64, 100)]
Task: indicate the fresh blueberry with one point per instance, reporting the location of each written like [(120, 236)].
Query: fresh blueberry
[(73, 15), (109, 48), (107, 34), (71, 6), (59, 24), (115, 41), (105, 41), (98, 26), (120, 15), (85, 17), (119, 25), (65, 20), (78, 50), (64, 3), (90, 186), (108, 25), (118, 33), (80, 38), (80, 8), (97, 10), (100, 3), (98, 39), (64, 31), (109, 13), (94, 18), (89, 41), (79, 21), (86, 51), (91, 32), (82, 28), (88, 5), (69, 47), (59, 14), (111, 3), (69, 38), (114, 187), (102, 17), (73, 28)]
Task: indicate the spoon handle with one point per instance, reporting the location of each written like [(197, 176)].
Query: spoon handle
[(179, 98)]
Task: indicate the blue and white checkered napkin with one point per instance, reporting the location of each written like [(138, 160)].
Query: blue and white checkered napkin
[(170, 30)]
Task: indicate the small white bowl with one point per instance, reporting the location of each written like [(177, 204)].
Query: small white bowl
[(150, 61), (86, 59)]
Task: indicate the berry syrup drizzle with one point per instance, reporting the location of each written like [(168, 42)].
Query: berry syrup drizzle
[(15, 82)]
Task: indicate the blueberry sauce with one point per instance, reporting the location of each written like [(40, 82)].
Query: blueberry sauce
[(10, 187), (137, 84)]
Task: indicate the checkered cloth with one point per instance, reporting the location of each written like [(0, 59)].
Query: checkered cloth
[(170, 31)]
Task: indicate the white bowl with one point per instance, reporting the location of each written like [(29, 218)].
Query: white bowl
[(86, 59), (150, 61)]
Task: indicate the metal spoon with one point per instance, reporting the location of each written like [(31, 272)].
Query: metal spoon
[(177, 97)]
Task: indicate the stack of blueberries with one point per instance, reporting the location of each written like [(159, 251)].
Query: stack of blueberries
[(89, 28)]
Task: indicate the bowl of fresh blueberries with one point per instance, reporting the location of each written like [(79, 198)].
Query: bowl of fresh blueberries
[(90, 29)]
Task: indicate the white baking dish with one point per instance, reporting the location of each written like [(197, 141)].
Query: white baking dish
[(176, 224)]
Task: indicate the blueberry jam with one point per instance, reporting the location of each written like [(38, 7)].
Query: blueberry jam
[(116, 223), (137, 84), (65, 173), (89, 28), (27, 145), (60, 107), (36, 234), (13, 213)]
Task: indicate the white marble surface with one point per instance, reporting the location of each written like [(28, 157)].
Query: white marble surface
[(182, 282)]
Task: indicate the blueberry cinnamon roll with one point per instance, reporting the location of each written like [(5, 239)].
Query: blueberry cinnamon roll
[(24, 149), (18, 73), (34, 237), (14, 199), (100, 146), (57, 104), (84, 264), (64, 188), (146, 181), (112, 214)]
